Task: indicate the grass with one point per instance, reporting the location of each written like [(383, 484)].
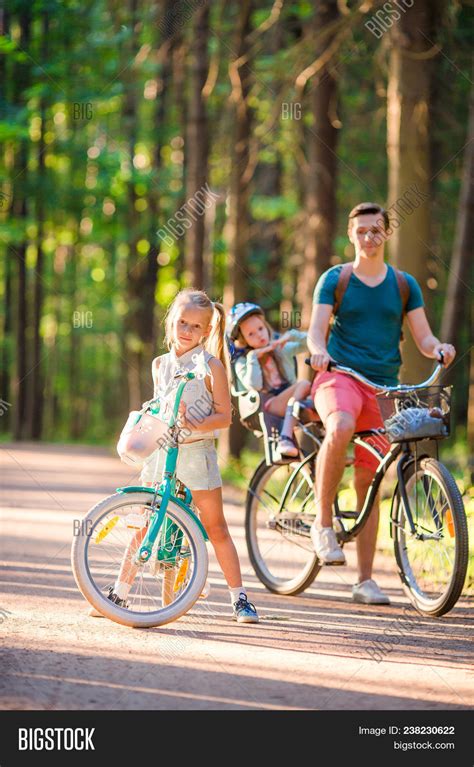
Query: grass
[(238, 471)]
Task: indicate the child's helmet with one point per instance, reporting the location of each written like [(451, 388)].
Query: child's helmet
[(237, 314)]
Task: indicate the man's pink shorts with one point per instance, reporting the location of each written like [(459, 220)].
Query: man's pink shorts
[(335, 392)]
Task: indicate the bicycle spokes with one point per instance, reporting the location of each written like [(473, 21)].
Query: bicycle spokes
[(112, 547), (430, 550), (281, 513)]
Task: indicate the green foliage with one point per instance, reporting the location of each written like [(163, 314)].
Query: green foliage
[(272, 208), (90, 193)]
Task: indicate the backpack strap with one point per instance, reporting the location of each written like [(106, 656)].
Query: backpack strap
[(345, 276), (403, 288), (341, 287), (343, 282)]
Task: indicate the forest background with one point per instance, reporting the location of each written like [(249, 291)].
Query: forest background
[(148, 146)]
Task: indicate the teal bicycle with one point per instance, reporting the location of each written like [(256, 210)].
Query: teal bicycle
[(152, 537)]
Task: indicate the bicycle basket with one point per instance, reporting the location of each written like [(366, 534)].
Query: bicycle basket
[(141, 434), (416, 413)]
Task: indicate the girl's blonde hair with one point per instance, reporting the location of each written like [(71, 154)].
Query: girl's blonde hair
[(215, 343)]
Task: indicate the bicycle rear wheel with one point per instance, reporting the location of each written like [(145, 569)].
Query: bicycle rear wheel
[(279, 512), (433, 561), (163, 588)]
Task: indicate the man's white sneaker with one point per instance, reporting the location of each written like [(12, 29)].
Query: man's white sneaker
[(369, 593), (326, 546)]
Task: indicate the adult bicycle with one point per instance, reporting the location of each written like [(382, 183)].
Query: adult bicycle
[(427, 519)]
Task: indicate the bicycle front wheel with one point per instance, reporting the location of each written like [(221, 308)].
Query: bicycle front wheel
[(433, 560), (279, 512), (163, 588)]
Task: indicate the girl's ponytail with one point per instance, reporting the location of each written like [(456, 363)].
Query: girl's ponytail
[(216, 343)]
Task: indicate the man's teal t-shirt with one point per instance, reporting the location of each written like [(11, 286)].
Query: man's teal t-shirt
[(366, 332)]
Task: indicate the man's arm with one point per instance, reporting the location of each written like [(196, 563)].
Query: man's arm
[(426, 342), (317, 334)]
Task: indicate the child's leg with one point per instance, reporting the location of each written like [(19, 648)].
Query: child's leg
[(277, 405), (209, 503), (282, 405), (128, 569)]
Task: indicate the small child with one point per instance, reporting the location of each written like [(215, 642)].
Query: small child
[(196, 326), (265, 362)]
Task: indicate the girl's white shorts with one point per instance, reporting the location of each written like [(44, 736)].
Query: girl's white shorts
[(196, 467)]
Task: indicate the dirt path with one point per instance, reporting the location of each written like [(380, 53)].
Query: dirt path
[(311, 651)]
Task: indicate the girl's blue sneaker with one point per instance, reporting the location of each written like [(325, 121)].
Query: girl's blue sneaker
[(244, 611)]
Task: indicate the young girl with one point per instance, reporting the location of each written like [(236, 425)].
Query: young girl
[(195, 326), (264, 361)]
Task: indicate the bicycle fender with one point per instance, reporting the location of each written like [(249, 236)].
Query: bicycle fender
[(134, 489), (177, 501)]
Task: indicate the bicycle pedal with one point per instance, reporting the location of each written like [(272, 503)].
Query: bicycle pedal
[(295, 526)]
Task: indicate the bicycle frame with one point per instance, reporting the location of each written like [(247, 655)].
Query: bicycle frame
[(385, 461), (166, 491)]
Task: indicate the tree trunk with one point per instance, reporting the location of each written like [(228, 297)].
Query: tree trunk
[(154, 202), (457, 306), (137, 296), (37, 401), (197, 148), (408, 148), (322, 139), (460, 268), (179, 78), (7, 344), (470, 414), (238, 221), (20, 211), (265, 258)]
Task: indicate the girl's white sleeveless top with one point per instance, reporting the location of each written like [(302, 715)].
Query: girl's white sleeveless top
[(196, 396)]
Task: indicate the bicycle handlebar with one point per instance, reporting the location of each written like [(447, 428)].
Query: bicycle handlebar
[(401, 387)]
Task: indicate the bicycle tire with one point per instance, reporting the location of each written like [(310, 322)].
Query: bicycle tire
[(292, 586), (122, 615), (445, 602)]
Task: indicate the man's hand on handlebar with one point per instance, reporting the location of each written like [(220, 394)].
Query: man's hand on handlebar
[(320, 361), (444, 353)]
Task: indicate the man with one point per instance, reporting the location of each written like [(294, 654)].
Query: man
[(365, 336)]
